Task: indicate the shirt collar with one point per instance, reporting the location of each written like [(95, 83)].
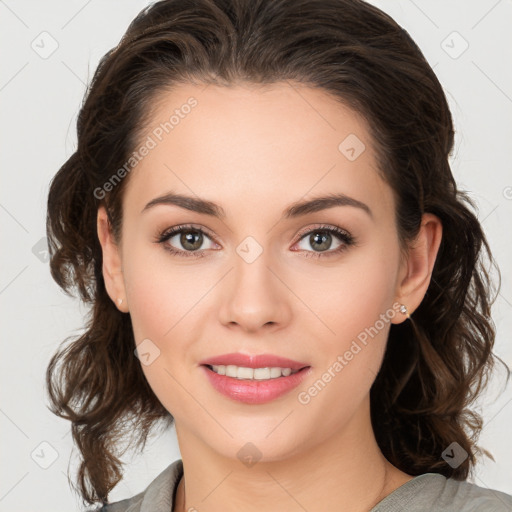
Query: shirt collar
[(159, 495)]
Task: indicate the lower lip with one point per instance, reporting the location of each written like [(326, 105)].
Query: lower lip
[(255, 391)]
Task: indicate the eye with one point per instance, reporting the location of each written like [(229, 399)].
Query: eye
[(189, 240), (321, 240)]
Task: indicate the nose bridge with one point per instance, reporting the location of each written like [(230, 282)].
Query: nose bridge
[(255, 297)]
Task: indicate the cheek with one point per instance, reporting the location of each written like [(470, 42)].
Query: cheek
[(159, 291), (358, 309), (352, 296), (355, 304), (163, 322), (166, 302)]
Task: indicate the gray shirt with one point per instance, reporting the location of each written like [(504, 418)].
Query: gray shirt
[(430, 492)]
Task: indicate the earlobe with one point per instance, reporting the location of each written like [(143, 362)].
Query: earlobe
[(417, 268), (112, 263)]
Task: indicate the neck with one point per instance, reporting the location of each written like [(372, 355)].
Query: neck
[(346, 469)]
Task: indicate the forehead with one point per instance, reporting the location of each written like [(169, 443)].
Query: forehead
[(249, 145)]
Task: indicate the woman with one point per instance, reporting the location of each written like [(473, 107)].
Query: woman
[(261, 214)]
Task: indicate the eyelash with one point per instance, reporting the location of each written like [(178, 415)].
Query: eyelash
[(346, 238)]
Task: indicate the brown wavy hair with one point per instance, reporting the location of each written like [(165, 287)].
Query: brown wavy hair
[(435, 365)]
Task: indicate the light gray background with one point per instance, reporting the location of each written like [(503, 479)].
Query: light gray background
[(39, 101)]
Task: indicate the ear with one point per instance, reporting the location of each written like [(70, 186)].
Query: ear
[(112, 262), (416, 269)]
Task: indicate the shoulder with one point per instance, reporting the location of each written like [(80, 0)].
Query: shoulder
[(432, 492), (157, 497), (474, 498)]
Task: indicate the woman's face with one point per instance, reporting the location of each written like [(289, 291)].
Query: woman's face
[(255, 280)]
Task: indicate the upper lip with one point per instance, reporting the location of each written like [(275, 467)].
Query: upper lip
[(254, 361)]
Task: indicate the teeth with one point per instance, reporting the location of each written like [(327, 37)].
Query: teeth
[(240, 372)]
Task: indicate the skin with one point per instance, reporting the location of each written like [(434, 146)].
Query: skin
[(255, 151)]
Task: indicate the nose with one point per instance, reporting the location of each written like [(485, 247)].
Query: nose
[(255, 297)]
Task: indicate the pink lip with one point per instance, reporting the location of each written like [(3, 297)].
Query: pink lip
[(256, 361), (255, 391)]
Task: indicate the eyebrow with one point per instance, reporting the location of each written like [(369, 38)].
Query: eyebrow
[(297, 209)]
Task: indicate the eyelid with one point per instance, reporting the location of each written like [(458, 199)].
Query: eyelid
[(320, 227), (183, 227)]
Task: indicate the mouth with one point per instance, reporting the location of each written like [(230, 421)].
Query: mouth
[(254, 385)]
